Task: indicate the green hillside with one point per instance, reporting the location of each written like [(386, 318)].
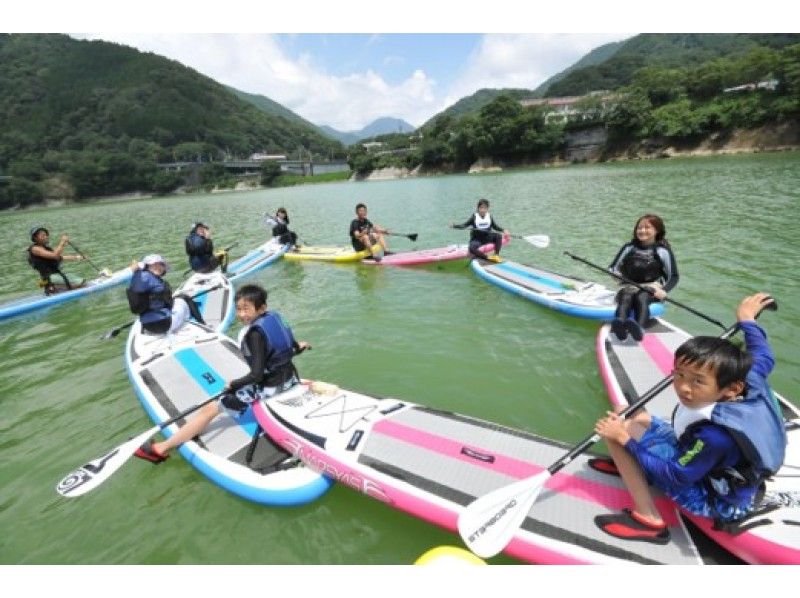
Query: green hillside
[(664, 50), (95, 117), (475, 102)]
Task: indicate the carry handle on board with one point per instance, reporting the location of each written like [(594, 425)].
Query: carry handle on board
[(490, 521)]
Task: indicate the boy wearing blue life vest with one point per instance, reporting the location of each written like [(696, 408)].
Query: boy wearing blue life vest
[(481, 225), (727, 435), (200, 249), (268, 345)]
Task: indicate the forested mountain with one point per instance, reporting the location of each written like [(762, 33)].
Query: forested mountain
[(664, 50), (271, 107), (597, 56), (95, 117), (476, 101), (380, 126)]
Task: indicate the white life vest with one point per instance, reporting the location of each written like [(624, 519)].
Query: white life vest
[(483, 223)]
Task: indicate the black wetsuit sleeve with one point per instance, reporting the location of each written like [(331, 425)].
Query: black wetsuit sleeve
[(468, 223), (495, 226), (669, 267), (257, 345), (615, 263)]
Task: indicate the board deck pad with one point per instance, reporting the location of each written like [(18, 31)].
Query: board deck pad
[(629, 369), (433, 463), (566, 294)]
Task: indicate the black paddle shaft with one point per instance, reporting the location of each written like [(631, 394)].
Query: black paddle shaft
[(646, 397), (643, 288)]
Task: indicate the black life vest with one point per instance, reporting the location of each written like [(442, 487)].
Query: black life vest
[(45, 266), (642, 264)]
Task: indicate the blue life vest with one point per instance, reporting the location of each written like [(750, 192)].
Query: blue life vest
[(279, 338), (150, 297), (200, 250), (757, 427)]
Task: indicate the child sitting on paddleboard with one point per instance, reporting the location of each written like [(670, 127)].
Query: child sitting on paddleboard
[(367, 236), (727, 435), (481, 225), (268, 345), (200, 249), (646, 259), (46, 260), (150, 297), (280, 227)]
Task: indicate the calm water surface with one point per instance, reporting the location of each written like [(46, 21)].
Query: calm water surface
[(433, 335)]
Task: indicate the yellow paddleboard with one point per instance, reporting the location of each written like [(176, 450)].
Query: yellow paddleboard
[(448, 555), (323, 253)]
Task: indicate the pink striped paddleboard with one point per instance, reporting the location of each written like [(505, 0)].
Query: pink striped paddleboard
[(432, 463), (429, 256), (629, 369)]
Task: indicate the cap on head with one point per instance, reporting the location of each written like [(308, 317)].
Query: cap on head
[(154, 258), (36, 229)]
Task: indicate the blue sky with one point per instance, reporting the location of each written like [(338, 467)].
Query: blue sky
[(324, 61)]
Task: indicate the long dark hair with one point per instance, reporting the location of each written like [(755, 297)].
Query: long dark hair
[(658, 224), (283, 211)]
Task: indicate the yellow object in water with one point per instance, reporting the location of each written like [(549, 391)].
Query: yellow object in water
[(448, 555), (325, 253)]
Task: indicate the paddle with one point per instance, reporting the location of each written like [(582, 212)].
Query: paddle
[(226, 250), (89, 476), (410, 237), (115, 331), (102, 272), (644, 288), (540, 241), (489, 522)]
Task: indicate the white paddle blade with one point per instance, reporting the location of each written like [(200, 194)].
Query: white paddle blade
[(489, 522), (88, 477), (540, 241)]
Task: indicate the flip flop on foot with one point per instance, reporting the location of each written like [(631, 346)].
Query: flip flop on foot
[(629, 525), (148, 453), (604, 465)]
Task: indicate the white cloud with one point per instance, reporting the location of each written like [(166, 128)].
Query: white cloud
[(523, 60), (255, 63)]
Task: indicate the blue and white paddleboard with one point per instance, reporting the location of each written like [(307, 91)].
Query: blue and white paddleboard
[(172, 373), (213, 294), (260, 257), (35, 302), (566, 294)]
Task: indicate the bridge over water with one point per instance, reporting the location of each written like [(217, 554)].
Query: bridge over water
[(301, 167)]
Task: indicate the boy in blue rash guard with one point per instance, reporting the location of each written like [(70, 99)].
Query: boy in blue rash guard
[(268, 345), (648, 260), (481, 225), (699, 460)]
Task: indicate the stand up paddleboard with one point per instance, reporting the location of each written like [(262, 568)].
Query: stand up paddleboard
[(629, 368), (41, 301), (320, 253), (449, 555), (257, 259), (429, 256), (216, 305), (566, 294), (171, 373), (432, 464)]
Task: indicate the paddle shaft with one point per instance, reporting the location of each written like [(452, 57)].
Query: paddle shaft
[(644, 288), (410, 236), (83, 255), (115, 331)]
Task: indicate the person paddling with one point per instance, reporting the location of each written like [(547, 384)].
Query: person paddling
[(47, 261), (150, 296), (366, 236), (280, 227), (726, 436), (481, 225), (268, 345), (200, 249)]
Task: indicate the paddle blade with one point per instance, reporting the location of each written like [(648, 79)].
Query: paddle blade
[(489, 522), (540, 241), (413, 236), (89, 476)]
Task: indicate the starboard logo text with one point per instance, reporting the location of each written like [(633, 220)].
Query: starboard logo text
[(495, 518)]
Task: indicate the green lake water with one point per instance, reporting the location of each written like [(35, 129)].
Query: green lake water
[(438, 336)]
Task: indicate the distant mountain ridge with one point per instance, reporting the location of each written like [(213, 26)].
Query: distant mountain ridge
[(381, 126)]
